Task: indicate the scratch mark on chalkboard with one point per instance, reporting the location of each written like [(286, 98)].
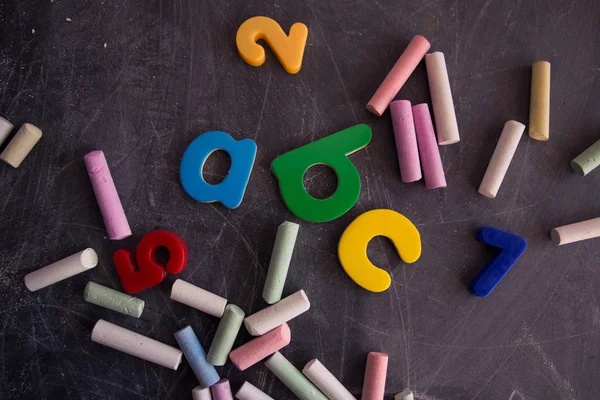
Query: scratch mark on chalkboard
[(515, 395), (481, 14), (314, 102), (517, 190), (383, 333), (262, 109)]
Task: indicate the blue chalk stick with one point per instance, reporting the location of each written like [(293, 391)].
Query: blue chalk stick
[(196, 356), (512, 246)]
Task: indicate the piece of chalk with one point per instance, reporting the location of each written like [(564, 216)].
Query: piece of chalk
[(113, 300), (375, 376), (280, 261), (503, 154), (406, 140), (198, 298), (576, 232), (18, 148), (397, 77), (250, 392), (228, 329), (292, 378), (441, 99), (325, 381), (221, 390), (63, 269), (587, 161), (137, 345), (5, 130), (107, 197), (539, 112), (271, 317), (258, 349), (428, 148), (405, 395), (194, 354), (200, 393)]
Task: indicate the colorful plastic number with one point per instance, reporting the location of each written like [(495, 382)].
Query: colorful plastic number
[(510, 249), (231, 190), (333, 150), (288, 49), (352, 249), (149, 272)]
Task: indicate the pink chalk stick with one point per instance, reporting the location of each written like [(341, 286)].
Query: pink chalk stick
[(375, 375), (107, 196), (428, 148), (221, 390), (406, 140), (397, 77), (255, 350)]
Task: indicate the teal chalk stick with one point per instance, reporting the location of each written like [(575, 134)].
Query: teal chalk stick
[(113, 300), (293, 379), (280, 261), (584, 163), (228, 329)]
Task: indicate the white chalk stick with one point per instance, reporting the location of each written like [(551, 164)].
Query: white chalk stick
[(63, 269), (325, 381), (576, 232), (503, 154), (250, 392), (198, 298), (137, 345), (199, 393), (441, 98), (271, 317), (5, 130), (20, 145), (405, 395)]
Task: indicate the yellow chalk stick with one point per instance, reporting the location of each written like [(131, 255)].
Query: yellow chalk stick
[(539, 112)]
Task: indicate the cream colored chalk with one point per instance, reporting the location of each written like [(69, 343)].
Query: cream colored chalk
[(21, 145), (63, 269), (198, 298), (539, 112), (199, 393), (503, 154), (576, 232), (405, 395), (271, 317), (250, 392), (326, 381), (441, 97), (5, 130)]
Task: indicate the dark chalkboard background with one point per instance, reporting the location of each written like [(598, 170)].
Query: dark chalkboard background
[(170, 71)]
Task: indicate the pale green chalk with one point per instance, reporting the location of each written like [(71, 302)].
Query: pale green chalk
[(280, 261), (228, 329), (584, 163), (113, 300), (293, 379)]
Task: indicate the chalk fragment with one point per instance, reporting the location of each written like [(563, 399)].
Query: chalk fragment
[(113, 300), (375, 376), (405, 395), (250, 392), (194, 354), (587, 161), (326, 381), (21, 145), (200, 393), (539, 113), (441, 99), (280, 261), (263, 346), (198, 298), (428, 148), (406, 140), (5, 130), (576, 232), (227, 331), (60, 270), (221, 390), (292, 378), (271, 317)]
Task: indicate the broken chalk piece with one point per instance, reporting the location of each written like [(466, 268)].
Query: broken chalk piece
[(428, 148), (405, 395), (326, 381), (511, 247), (250, 392), (406, 140), (280, 261), (271, 317), (399, 74), (198, 298), (587, 161), (200, 393), (113, 300), (500, 161), (441, 99), (228, 329), (5, 130), (137, 345), (375, 376), (576, 232), (107, 197), (21, 145), (63, 269), (263, 346), (194, 353), (221, 390), (539, 112), (292, 378)]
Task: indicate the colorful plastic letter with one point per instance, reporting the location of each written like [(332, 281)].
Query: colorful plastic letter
[(231, 190), (289, 168), (352, 249), (149, 272), (288, 49), (510, 246)]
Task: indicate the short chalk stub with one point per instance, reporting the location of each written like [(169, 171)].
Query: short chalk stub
[(200, 393), (326, 381), (587, 161), (375, 376), (405, 395), (539, 114), (576, 232), (5, 130), (227, 331), (250, 392), (260, 348), (221, 390), (194, 354), (230, 191), (283, 311), (137, 345), (406, 140), (511, 247), (21, 145), (292, 378), (441, 99), (280, 261), (198, 298), (60, 270), (113, 300)]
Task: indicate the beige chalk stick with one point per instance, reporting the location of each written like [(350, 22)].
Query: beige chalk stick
[(5, 130), (62, 269), (21, 145), (441, 98), (539, 112), (576, 232)]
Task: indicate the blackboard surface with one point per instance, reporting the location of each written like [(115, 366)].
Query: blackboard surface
[(141, 80)]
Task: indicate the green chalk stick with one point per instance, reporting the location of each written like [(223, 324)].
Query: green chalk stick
[(293, 379), (584, 163), (228, 329), (113, 300), (280, 261)]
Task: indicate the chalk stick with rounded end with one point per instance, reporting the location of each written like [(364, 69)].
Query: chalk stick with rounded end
[(292, 378), (326, 381), (587, 161), (576, 232), (63, 269), (5, 130), (200, 393), (250, 392), (375, 376), (21, 145), (228, 329), (198, 298), (441, 99), (271, 317), (406, 140), (263, 346), (113, 300), (221, 390), (194, 354), (280, 261), (428, 148), (539, 113), (405, 395)]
